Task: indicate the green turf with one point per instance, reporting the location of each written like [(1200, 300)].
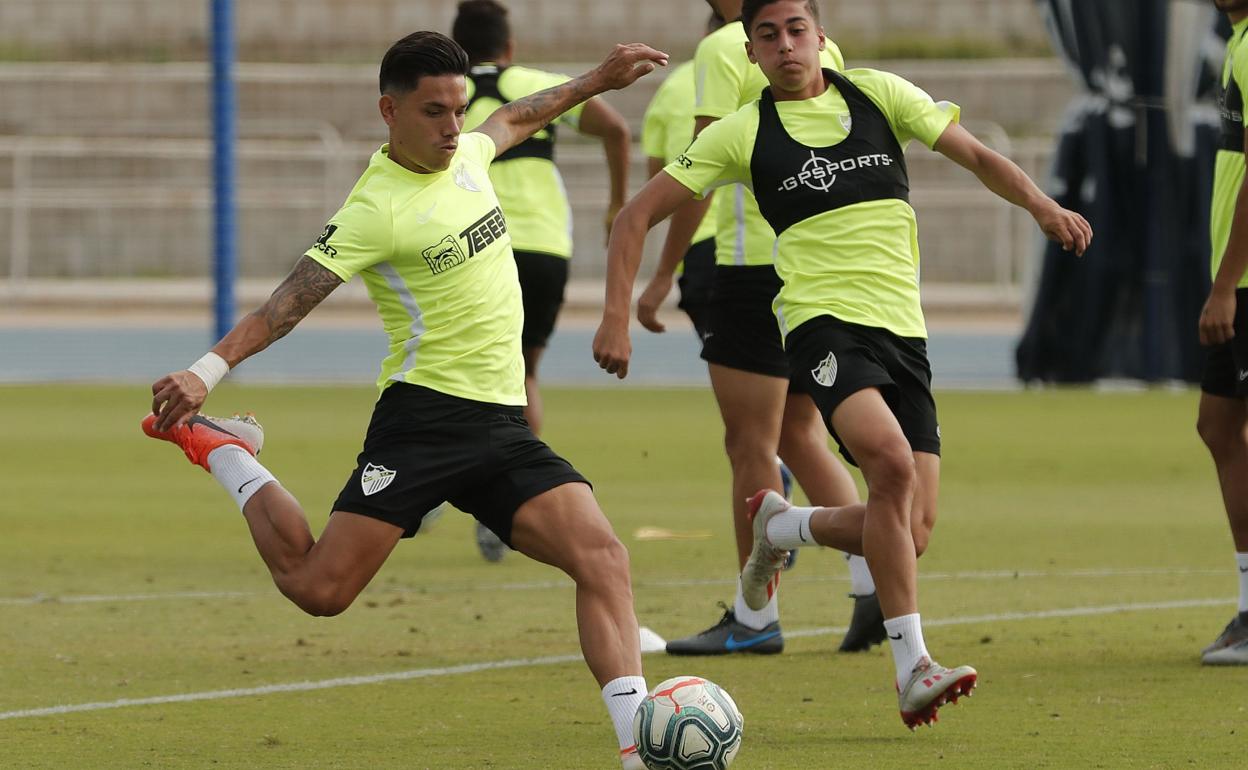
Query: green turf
[(1050, 501)]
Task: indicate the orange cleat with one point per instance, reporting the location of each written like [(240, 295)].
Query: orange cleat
[(198, 436)]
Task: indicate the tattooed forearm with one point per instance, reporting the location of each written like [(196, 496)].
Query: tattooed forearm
[(536, 110), (305, 287)]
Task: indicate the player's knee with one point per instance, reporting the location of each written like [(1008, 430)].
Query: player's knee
[(605, 561), (321, 600), (891, 472), (1219, 436), (921, 535)]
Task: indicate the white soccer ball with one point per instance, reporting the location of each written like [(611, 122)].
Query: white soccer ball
[(687, 723)]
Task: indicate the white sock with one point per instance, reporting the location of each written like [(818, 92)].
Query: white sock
[(241, 474), (860, 581), (1241, 561), (756, 619), (622, 697), (905, 637), (791, 528)]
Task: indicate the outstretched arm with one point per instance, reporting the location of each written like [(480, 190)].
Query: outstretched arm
[(176, 397), (654, 203), (1003, 177), (601, 120), (516, 121)]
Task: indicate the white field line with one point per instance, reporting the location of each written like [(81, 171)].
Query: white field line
[(545, 585), (470, 668)]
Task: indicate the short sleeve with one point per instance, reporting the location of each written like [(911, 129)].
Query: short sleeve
[(719, 155), (911, 111), (359, 236), (1239, 68), (479, 147), (718, 79)]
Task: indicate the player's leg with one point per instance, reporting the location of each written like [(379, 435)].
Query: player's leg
[(1223, 426), (923, 514), (533, 410), (695, 284), (543, 280)]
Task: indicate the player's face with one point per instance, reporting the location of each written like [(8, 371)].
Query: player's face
[(425, 122), (785, 42)]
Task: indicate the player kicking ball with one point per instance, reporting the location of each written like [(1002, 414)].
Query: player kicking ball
[(823, 153), (424, 230)]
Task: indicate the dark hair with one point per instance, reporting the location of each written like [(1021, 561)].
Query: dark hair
[(417, 55), (481, 27), (751, 8), (714, 22)]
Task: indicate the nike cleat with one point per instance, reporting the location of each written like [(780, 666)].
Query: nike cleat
[(1231, 646), (198, 436), (786, 489), (931, 686), (761, 575), (727, 636), (866, 626), (490, 545)]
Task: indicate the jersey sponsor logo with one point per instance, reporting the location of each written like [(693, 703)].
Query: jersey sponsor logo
[(684, 160), (444, 255), (825, 372), (464, 180), (322, 243), (484, 231), (820, 173), (376, 478)]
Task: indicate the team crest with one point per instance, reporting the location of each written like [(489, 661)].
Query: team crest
[(464, 179), (825, 372), (847, 121), (376, 478), (444, 255)]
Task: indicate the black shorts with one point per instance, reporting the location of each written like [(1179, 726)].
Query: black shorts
[(741, 330), (832, 360), (424, 448), (1226, 367), (543, 278), (695, 283)]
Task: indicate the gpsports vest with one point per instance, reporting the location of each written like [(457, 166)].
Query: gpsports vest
[(485, 83), (793, 182), (1231, 105)]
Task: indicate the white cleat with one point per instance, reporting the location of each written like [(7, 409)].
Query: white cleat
[(761, 574), (1231, 646), (931, 686)]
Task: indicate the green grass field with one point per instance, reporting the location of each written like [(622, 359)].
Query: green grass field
[(1081, 561)]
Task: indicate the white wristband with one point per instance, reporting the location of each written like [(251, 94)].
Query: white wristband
[(211, 368)]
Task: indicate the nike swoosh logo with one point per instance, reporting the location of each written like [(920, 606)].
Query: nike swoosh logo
[(630, 692), (731, 643), (800, 536), (1243, 569), (424, 218), (894, 638), (245, 483)]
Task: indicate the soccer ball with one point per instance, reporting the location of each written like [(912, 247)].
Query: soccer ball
[(687, 723)]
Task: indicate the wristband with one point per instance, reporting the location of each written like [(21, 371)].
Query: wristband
[(211, 368)]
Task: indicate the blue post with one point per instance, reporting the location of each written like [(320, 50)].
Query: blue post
[(223, 169)]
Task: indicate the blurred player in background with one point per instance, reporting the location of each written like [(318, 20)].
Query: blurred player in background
[(529, 187), (749, 372), (1223, 416), (824, 154), (424, 230)]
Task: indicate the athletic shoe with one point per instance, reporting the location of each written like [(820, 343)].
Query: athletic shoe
[(786, 489), (730, 636), (1231, 646), (761, 573), (198, 436), (631, 760), (491, 546), (866, 627), (931, 686)]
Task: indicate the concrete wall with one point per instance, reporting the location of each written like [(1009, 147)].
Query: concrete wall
[(561, 30)]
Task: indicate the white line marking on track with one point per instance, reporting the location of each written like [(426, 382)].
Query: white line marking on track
[(470, 668), (545, 585)]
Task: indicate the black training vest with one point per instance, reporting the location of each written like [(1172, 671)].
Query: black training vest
[(1231, 105), (793, 182), (485, 83)]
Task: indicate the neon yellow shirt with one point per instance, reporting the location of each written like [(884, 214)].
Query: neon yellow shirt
[(1228, 173), (668, 127), (726, 80), (859, 263), (531, 190), (435, 256)]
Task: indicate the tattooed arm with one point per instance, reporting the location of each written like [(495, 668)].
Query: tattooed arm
[(177, 397), (516, 121)]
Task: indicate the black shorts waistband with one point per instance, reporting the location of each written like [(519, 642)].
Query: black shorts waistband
[(443, 407)]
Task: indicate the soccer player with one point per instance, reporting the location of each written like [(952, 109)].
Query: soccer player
[(749, 374), (424, 230), (1223, 417), (529, 187), (824, 154), (666, 131)]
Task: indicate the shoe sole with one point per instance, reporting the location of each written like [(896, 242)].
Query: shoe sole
[(963, 686), (755, 505)]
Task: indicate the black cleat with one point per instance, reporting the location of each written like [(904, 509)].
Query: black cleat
[(730, 636), (866, 627)]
